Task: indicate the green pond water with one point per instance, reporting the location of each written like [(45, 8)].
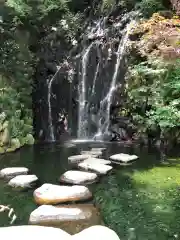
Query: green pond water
[(141, 201)]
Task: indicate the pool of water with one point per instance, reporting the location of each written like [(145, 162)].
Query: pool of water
[(126, 197)]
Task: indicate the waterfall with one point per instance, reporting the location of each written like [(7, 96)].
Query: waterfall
[(82, 114), (51, 128), (104, 111), (99, 37)]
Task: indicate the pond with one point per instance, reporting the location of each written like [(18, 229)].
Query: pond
[(141, 201)]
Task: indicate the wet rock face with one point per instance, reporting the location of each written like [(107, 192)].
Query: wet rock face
[(64, 95)]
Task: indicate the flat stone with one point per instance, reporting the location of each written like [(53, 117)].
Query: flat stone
[(96, 232), (54, 194), (123, 158), (97, 160), (95, 167), (48, 213), (33, 232), (77, 158), (92, 153), (71, 218), (78, 177), (23, 181), (98, 149), (11, 172)]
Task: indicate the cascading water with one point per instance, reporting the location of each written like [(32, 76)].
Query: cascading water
[(104, 112), (82, 116), (99, 88), (51, 128)]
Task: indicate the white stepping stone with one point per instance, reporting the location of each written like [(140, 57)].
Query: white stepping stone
[(98, 149), (95, 167), (78, 158), (33, 232), (92, 153), (52, 214), (78, 177), (23, 181), (96, 232), (53, 194), (97, 160), (123, 159), (11, 172)]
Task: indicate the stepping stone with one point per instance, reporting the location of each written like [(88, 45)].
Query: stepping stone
[(23, 181), (92, 153), (97, 160), (77, 158), (98, 149), (11, 172), (95, 167), (33, 232), (123, 159), (70, 218), (78, 177), (54, 194), (49, 213), (96, 232)]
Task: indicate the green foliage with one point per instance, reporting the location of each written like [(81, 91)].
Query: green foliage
[(21, 27), (154, 98), (148, 7)]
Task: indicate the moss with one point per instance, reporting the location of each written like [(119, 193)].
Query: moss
[(144, 201)]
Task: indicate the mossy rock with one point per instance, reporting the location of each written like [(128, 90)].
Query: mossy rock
[(29, 139), (4, 137), (2, 150), (10, 149), (15, 143), (5, 125)]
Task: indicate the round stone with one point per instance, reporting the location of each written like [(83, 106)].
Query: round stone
[(70, 218), (123, 158), (95, 167), (77, 158), (78, 177), (96, 232), (23, 181), (33, 232), (11, 172), (54, 194)]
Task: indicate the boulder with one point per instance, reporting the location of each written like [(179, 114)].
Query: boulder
[(95, 167), (33, 232), (77, 158), (15, 143), (123, 159), (23, 181), (78, 177), (96, 232), (11, 172), (71, 218), (97, 160), (54, 194)]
